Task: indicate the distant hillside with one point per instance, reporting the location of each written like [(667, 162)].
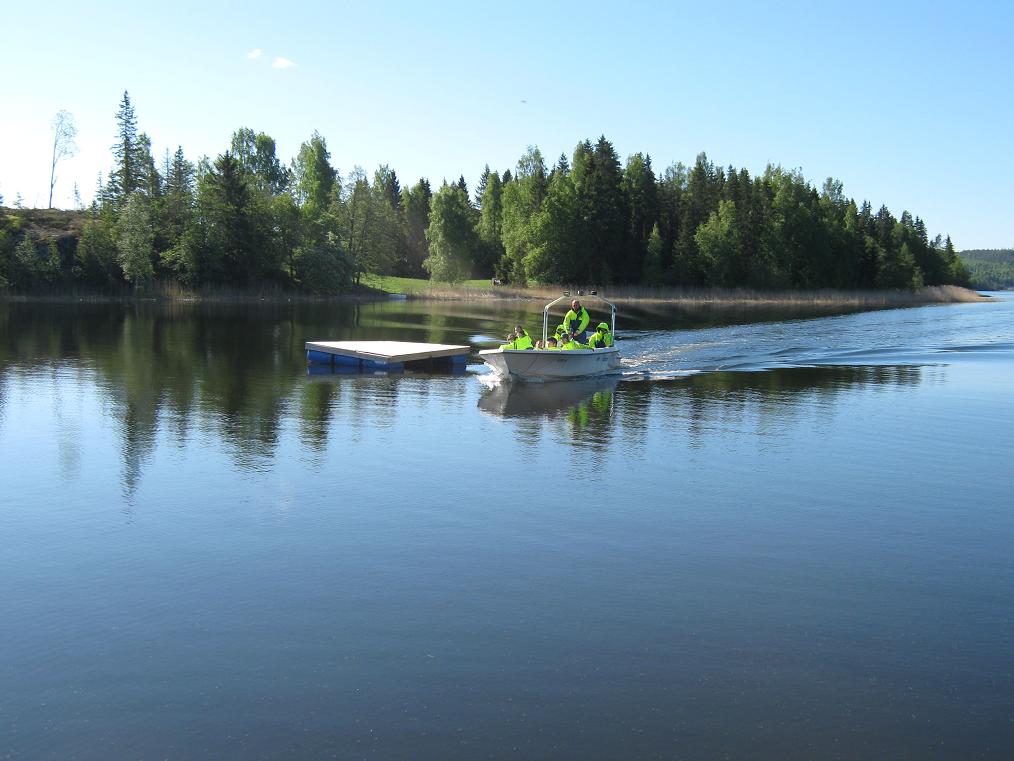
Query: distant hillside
[(990, 269)]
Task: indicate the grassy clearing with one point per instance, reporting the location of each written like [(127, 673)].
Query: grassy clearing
[(416, 286)]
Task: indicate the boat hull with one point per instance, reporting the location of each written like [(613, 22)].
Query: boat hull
[(551, 364)]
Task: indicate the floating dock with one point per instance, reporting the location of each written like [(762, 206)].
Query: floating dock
[(391, 356)]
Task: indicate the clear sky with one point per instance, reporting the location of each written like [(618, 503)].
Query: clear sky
[(908, 103)]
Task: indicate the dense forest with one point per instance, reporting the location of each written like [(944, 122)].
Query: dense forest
[(990, 269), (246, 219)]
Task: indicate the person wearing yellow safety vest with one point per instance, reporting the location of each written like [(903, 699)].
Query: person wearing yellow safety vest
[(519, 339), (570, 343), (576, 320), (601, 338)]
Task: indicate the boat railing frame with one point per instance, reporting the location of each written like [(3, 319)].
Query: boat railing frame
[(566, 295)]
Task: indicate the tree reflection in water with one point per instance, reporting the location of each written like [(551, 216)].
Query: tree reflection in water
[(238, 373)]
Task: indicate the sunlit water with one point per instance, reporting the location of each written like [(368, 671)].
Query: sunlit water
[(761, 540)]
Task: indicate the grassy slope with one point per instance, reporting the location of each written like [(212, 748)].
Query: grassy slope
[(45, 225), (417, 286)]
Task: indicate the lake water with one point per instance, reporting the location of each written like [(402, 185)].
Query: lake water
[(780, 539)]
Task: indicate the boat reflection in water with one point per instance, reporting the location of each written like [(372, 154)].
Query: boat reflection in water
[(507, 399)]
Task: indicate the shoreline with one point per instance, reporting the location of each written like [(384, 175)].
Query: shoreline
[(740, 298)]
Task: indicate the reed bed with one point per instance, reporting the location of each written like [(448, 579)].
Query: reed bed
[(174, 292), (937, 294)]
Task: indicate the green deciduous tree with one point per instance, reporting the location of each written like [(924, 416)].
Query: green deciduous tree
[(451, 235), (416, 203), (353, 208), (719, 246), (314, 176), (323, 267), (255, 152), (135, 239), (521, 198), (653, 273)]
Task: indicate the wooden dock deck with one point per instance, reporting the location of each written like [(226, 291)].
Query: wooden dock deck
[(384, 355)]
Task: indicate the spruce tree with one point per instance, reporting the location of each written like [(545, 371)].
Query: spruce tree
[(126, 175), (642, 192)]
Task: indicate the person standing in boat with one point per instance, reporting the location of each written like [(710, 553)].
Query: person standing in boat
[(576, 321)]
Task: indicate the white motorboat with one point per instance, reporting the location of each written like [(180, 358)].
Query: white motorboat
[(552, 364)]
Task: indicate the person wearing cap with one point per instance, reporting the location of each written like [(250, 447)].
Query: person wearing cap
[(601, 338), (519, 339), (576, 321)]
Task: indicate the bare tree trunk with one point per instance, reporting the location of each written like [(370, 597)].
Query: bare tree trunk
[(64, 146)]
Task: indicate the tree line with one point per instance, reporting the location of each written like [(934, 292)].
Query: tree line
[(246, 219), (990, 269)]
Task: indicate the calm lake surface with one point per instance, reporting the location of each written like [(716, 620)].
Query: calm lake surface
[(777, 536)]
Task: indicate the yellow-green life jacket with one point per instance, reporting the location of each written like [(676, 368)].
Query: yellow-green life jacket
[(524, 342), (582, 318)]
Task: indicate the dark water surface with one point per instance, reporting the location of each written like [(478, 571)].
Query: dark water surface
[(786, 539)]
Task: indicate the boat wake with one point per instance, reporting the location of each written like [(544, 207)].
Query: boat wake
[(892, 337)]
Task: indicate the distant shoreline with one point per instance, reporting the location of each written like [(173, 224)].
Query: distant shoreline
[(742, 298)]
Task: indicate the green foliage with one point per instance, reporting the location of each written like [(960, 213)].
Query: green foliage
[(554, 255), (521, 198), (233, 246), (490, 225), (97, 253), (641, 191), (654, 266), (314, 176), (719, 246), (991, 270), (245, 219), (605, 215), (416, 205), (135, 240), (352, 210), (451, 235), (323, 267), (132, 163), (255, 152)]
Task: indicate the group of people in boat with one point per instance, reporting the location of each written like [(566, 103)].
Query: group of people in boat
[(571, 334)]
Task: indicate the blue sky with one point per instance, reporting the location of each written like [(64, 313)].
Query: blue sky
[(909, 104)]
